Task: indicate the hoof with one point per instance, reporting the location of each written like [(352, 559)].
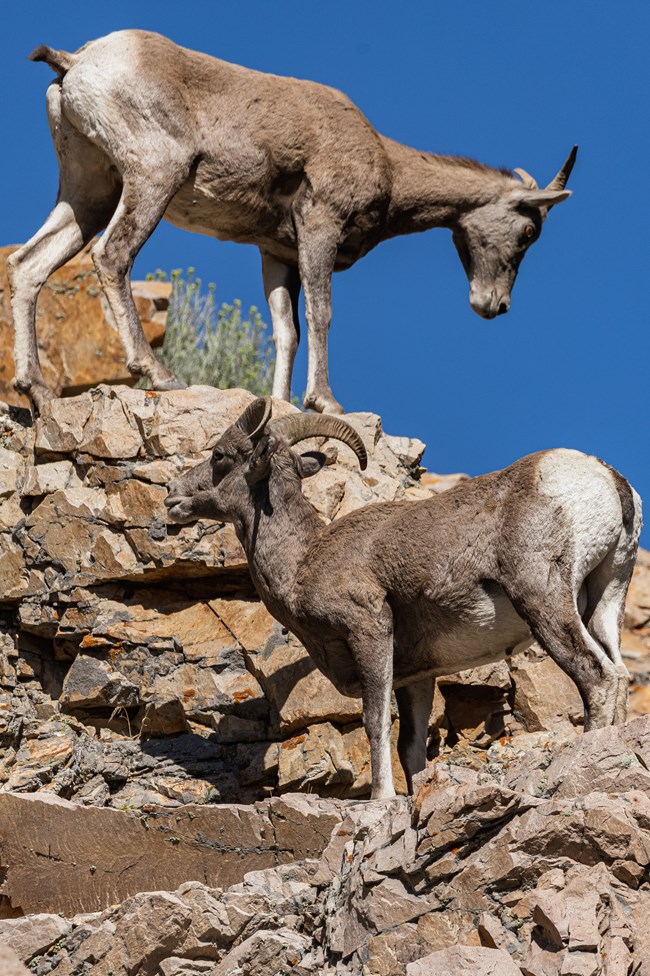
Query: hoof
[(38, 396), (322, 404), (173, 383)]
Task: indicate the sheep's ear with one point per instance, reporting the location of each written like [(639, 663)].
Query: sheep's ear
[(259, 463), (310, 463), (255, 418), (541, 199)]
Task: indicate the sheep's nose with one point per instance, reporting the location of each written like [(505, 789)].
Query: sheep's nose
[(172, 499), (503, 308)]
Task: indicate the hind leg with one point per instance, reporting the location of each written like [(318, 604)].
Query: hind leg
[(607, 587), (88, 193), (142, 205), (414, 703), (555, 623)]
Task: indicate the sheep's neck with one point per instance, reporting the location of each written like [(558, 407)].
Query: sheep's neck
[(276, 534), (433, 191)]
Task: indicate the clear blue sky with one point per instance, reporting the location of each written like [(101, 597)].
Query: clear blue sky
[(512, 84)]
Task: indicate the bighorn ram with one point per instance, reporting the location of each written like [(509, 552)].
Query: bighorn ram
[(396, 593), (145, 130)]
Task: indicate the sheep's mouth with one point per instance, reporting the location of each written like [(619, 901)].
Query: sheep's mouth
[(175, 512)]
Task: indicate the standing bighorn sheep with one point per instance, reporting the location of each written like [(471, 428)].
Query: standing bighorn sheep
[(394, 594), (145, 130)]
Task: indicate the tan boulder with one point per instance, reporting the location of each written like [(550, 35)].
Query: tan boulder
[(300, 693), (147, 929), (17, 579), (204, 690), (464, 961), (545, 698), (78, 343), (10, 964), (12, 471), (43, 479), (315, 757), (33, 935)]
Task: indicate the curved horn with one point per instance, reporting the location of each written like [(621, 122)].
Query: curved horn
[(255, 417), (300, 426), (529, 181), (560, 181)]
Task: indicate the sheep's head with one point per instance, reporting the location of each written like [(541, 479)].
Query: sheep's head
[(223, 486), (492, 239)]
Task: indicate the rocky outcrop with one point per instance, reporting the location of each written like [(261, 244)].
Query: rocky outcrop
[(535, 865), (78, 342), (138, 667), (156, 725)]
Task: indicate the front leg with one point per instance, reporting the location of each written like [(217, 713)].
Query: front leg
[(282, 290), (318, 236), (372, 649)]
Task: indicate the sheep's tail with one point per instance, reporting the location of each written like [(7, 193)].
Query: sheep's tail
[(59, 61)]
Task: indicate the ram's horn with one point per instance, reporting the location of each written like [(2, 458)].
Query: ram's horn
[(560, 181), (529, 181), (255, 417), (300, 426)]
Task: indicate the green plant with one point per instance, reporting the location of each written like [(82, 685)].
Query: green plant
[(206, 345)]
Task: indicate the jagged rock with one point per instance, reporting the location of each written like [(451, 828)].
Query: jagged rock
[(613, 761), (30, 936), (43, 479), (387, 887), (164, 716), (91, 684), (141, 933), (10, 964), (12, 472), (273, 953), (448, 818), (43, 754), (464, 961), (294, 685), (315, 757), (544, 697)]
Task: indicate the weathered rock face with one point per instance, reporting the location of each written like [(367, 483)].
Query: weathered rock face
[(62, 857), (78, 342), (150, 706), (137, 665), (479, 873)]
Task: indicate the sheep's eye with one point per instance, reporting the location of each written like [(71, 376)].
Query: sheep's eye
[(529, 231), (217, 456)]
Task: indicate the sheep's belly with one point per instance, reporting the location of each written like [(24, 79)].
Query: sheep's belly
[(431, 640)]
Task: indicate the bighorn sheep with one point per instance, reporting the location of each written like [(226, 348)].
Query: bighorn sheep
[(145, 130), (396, 593)]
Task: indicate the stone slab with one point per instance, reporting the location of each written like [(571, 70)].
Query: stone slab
[(56, 856)]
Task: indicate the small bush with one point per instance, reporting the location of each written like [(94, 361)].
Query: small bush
[(206, 345)]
